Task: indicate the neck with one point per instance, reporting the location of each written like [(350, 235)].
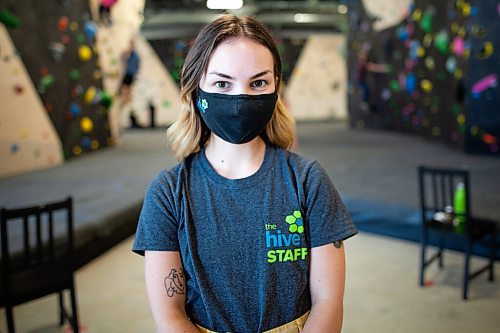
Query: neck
[(235, 161)]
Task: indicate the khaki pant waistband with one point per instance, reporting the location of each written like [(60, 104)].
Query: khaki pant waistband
[(295, 326)]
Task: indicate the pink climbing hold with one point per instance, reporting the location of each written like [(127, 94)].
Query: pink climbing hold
[(458, 46), (488, 81)]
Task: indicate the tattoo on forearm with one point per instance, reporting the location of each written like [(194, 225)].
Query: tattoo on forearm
[(174, 283), (338, 244)]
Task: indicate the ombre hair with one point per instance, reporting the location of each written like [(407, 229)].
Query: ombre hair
[(189, 133)]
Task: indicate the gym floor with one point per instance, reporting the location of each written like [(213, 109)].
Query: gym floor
[(382, 294)]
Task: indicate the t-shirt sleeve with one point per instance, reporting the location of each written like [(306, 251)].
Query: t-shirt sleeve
[(327, 216), (157, 227)]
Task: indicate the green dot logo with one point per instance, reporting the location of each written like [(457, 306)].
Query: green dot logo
[(295, 222)]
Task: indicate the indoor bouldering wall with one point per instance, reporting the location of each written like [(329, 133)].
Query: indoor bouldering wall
[(483, 91), (55, 41), (433, 73), (316, 89), (28, 140), (154, 98)]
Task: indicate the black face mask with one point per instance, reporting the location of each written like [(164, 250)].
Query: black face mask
[(236, 118)]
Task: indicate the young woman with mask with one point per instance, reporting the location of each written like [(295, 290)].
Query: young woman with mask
[(242, 235)]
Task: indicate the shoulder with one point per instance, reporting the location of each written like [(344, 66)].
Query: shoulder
[(167, 177), (171, 179), (298, 164)]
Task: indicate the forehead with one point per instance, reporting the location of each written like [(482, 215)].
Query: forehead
[(240, 53)]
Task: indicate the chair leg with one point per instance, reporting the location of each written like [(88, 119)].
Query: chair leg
[(493, 253), (74, 317), (62, 312), (466, 269), (422, 261), (10, 319), (441, 247)]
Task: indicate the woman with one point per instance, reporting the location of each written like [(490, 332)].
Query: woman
[(242, 235)]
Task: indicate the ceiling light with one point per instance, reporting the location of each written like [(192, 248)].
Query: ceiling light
[(224, 4), (304, 18), (342, 9), (299, 17)]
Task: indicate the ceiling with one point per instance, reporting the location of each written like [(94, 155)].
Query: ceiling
[(298, 18)]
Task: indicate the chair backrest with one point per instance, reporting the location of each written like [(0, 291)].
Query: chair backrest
[(437, 187), (36, 244)]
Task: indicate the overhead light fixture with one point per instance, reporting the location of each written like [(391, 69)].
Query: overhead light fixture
[(299, 17), (224, 4), (304, 18), (342, 9)]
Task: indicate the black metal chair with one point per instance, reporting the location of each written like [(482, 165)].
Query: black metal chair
[(437, 188), (37, 257)]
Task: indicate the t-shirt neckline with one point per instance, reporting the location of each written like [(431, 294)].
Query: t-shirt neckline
[(249, 181)]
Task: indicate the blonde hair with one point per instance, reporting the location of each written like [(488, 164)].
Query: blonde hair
[(188, 134)]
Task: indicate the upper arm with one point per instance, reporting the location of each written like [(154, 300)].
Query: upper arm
[(328, 221), (326, 283), (166, 285), (326, 215), (327, 274), (158, 225)]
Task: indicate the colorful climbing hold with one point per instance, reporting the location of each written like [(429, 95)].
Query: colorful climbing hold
[(85, 53), (63, 23), (426, 85)]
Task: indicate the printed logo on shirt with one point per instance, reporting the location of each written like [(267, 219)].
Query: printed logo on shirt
[(295, 222), (284, 246)]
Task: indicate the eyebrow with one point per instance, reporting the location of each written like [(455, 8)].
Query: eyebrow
[(232, 78), (260, 74), (222, 75)]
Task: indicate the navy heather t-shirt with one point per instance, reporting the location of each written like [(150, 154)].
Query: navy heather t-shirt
[(244, 243)]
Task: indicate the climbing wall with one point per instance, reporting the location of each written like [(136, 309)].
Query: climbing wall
[(152, 89), (73, 66), (433, 73), (290, 50), (317, 87), (483, 102), (172, 53), (28, 140), (55, 41)]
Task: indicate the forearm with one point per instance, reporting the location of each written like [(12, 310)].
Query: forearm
[(166, 287), (325, 317)]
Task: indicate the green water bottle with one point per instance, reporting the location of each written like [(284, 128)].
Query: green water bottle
[(459, 207)]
